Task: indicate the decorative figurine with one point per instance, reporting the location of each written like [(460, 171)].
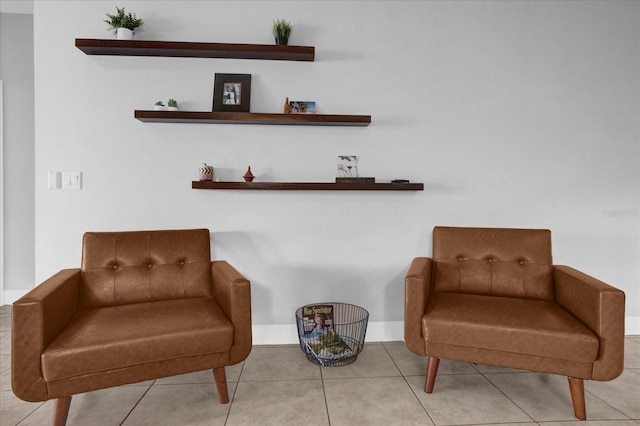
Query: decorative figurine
[(248, 176), (287, 106)]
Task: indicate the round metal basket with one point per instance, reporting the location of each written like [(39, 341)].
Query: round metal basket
[(343, 340)]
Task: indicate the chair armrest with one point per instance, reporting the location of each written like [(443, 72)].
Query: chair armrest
[(417, 288), (232, 291), (37, 318), (601, 307)]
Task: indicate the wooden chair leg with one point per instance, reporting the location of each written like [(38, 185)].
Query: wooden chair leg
[(432, 371), (61, 410), (221, 384), (576, 386)]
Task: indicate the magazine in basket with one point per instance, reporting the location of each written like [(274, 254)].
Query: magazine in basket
[(320, 335)]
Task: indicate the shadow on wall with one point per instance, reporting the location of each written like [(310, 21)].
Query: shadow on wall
[(241, 250), (393, 308)]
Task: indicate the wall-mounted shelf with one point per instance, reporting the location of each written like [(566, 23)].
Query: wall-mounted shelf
[(307, 186), (251, 118), (92, 46)]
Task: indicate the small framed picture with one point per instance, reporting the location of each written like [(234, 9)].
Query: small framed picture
[(302, 107), (347, 166), (232, 92)]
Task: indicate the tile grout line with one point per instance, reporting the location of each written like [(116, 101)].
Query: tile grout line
[(604, 402), (505, 395), (233, 397), (324, 393), (137, 403), (409, 385), (31, 412)]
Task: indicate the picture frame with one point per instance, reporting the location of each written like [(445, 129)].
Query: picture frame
[(302, 107), (347, 166), (232, 92)]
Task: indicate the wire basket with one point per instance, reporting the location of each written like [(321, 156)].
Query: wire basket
[(331, 334)]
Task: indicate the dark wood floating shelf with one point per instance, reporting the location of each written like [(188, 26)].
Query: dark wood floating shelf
[(308, 186), (251, 118), (92, 46)]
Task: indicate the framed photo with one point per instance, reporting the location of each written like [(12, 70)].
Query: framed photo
[(303, 107), (347, 166), (232, 92)]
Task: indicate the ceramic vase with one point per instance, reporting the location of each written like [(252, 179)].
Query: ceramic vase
[(206, 172)]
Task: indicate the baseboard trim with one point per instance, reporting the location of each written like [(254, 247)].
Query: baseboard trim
[(377, 331), (10, 296), (287, 334), (632, 326)]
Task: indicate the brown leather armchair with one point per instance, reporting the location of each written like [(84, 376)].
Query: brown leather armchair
[(144, 305), (492, 296)]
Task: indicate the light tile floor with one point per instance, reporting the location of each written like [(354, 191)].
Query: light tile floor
[(277, 385)]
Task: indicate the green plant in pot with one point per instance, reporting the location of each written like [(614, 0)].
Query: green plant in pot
[(123, 24), (172, 105), (281, 31)]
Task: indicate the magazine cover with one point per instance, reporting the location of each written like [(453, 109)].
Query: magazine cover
[(320, 336)]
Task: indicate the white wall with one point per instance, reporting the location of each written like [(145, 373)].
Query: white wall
[(17, 156), (17, 6), (513, 114)]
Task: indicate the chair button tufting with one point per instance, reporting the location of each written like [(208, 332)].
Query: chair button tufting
[(149, 266), (460, 259), (490, 260), (522, 262), (182, 263), (115, 266)]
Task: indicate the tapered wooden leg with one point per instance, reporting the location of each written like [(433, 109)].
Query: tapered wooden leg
[(432, 370), (221, 384), (61, 410), (577, 396)]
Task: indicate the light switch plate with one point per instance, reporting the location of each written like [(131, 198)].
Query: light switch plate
[(71, 180)]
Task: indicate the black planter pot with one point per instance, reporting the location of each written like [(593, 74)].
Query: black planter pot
[(282, 41)]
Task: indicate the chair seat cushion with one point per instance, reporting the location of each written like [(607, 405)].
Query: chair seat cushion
[(504, 324), (116, 337)]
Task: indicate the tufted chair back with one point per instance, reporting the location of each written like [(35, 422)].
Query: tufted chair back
[(493, 261), (120, 268)]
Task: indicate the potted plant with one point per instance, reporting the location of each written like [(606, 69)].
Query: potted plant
[(281, 31), (159, 106), (123, 24), (172, 105)]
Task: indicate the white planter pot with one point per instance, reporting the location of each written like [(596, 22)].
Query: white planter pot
[(172, 108), (124, 34), (159, 108)]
